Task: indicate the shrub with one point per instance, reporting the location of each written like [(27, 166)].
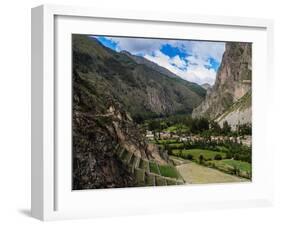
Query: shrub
[(201, 159), (236, 171), (237, 157), (189, 157), (217, 157)]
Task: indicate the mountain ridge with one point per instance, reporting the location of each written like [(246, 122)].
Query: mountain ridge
[(142, 90), (206, 86), (150, 64)]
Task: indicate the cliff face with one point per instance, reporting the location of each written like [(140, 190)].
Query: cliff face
[(233, 81), (239, 113), (101, 129)]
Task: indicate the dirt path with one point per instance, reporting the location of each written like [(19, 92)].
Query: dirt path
[(193, 173)]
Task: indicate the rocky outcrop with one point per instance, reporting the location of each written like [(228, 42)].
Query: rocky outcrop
[(206, 86), (99, 127), (233, 81), (239, 113)]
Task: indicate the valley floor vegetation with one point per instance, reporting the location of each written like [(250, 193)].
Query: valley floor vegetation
[(203, 142)]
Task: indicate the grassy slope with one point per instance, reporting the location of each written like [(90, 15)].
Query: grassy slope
[(193, 173), (244, 166)]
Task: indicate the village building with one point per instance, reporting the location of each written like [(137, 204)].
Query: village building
[(149, 135)]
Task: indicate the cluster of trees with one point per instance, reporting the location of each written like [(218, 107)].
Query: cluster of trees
[(200, 159), (238, 152), (244, 129), (232, 149), (201, 126)]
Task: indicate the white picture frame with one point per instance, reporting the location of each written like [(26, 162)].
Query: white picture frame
[(52, 197)]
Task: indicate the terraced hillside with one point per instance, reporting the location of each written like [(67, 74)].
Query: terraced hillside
[(148, 172)]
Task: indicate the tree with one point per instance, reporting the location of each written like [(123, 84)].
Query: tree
[(199, 125), (236, 170), (194, 126), (226, 129), (218, 157), (244, 129), (189, 157), (236, 156), (214, 127), (180, 153), (201, 159), (154, 125), (203, 124)]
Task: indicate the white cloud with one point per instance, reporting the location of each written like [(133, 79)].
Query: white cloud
[(195, 70), (204, 49), (141, 45), (178, 62), (174, 64), (201, 49), (199, 74), (195, 60), (138, 45), (194, 67)]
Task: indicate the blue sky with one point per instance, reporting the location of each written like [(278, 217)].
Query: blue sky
[(195, 61)]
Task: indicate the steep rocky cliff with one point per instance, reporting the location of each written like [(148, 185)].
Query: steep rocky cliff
[(99, 127), (232, 83), (239, 113)]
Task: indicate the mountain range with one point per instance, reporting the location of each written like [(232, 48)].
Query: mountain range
[(143, 88)]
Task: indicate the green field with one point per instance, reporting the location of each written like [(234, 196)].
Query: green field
[(222, 148), (168, 171), (243, 166), (153, 167), (172, 143), (178, 128), (168, 141), (176, 146), (207, 154)]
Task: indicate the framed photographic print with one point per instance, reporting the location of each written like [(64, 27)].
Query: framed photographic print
[(135, 112)]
